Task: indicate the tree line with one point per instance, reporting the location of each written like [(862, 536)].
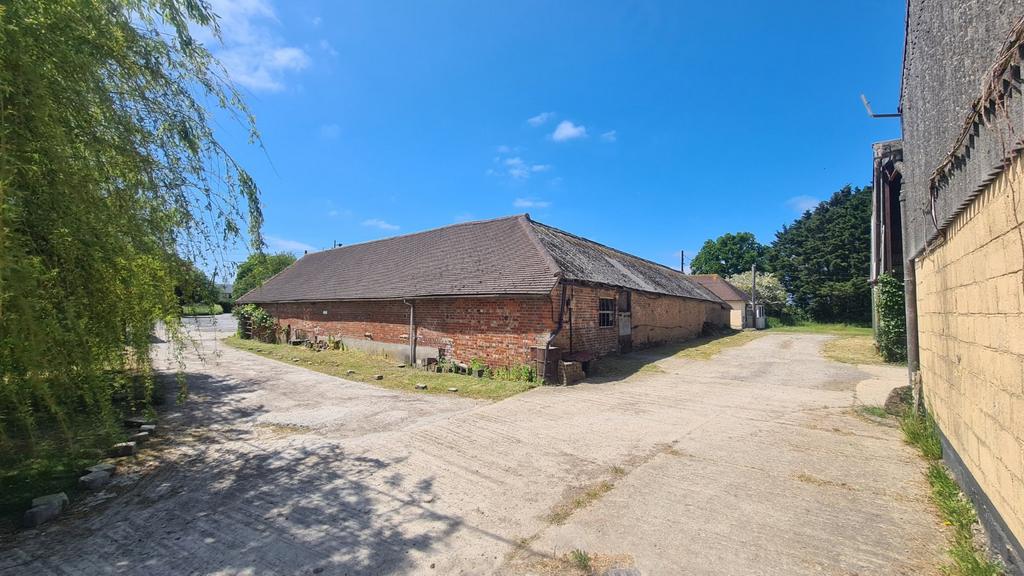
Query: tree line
[(822, 260)]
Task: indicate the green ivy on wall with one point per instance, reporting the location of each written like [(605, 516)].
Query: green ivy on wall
[(891, 335)]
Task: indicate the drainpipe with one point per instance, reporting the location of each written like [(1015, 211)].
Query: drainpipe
[(412, 332), (554, 333), (913, 357)]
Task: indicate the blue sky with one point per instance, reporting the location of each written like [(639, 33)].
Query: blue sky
[(647, 126)]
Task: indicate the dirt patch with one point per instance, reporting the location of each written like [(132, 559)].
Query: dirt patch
[(811, 479), (573, 563)]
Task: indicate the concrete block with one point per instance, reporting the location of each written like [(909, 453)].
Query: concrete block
[(94, 480), (139, 437), (137, 421), (38, 515), (102, 467), (151, 428), (122, 449), (60, 500)]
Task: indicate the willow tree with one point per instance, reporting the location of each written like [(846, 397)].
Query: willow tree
[(110, 175)]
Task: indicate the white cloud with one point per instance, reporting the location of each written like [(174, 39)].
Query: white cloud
[(329, 131), (516, 168), (253, 53), (328, 47), (530, 203), (540, 118), (503, 149), (540, 167), (566, 130), (278, 244), (316, 20), (609, 136), (802, 204), (381, 224)]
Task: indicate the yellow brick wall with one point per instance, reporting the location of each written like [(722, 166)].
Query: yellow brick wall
[(970, 293)]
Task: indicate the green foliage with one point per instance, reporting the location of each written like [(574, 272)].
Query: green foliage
[(919, 430), (892, 319), (823, 258), (194, 286), (202, 309), (729, 254), (252, 317), (257, 269), (770, 291), (520, 373), (956, 509), (581, 560), (110, 177)]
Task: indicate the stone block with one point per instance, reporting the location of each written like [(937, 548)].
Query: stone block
[(94, 480), (137, 421), (38, 515), (151, 428), (139, 437), (102, 467), (60, 500), (122, 449)]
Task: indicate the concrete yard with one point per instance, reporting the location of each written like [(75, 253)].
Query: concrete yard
[(753, 462)]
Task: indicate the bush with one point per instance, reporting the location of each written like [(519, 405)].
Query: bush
[(891, 335), (226, 306), (260, 324)]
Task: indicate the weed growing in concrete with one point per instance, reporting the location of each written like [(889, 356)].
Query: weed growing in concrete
[(563, 511), (581, 560), (876, 411), (955, 508)]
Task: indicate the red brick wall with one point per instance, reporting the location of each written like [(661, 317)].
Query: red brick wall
[(655, 319), (500, 331)]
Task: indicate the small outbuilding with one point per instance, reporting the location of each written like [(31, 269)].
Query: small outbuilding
[(739, 314), (504, 292)]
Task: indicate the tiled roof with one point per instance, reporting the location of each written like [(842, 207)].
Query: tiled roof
[(506, 256), (721, 287)]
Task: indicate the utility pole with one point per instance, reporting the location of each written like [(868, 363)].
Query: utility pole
[(682, 261), (753, 294)]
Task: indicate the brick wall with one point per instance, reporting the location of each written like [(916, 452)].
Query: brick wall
[(970, 293), (658, 319), (655, 319), (584, 330), (498, 330)]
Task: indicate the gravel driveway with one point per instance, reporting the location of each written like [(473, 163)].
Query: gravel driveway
[(750, 463)]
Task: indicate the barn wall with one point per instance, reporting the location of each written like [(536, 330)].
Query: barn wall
[(655, 319), (500, 331), (970, 303)]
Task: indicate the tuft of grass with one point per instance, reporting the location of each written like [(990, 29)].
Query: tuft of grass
[(920, 431), (957, 511), (366, 366), (581, 560), (876, 411), (588, 496)]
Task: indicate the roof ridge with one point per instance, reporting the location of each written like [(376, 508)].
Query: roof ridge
[(407, 235), (549, 260)]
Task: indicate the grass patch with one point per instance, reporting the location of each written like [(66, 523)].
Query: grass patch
[(876, 411), (586, 497), (853, 350), (581, 560), (823, 328), (701, 348), (202, 310), (366, 366), (22, 481), (957, 511)]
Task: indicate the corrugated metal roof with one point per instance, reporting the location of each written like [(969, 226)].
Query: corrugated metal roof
[(587, 261), (505, 256)]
